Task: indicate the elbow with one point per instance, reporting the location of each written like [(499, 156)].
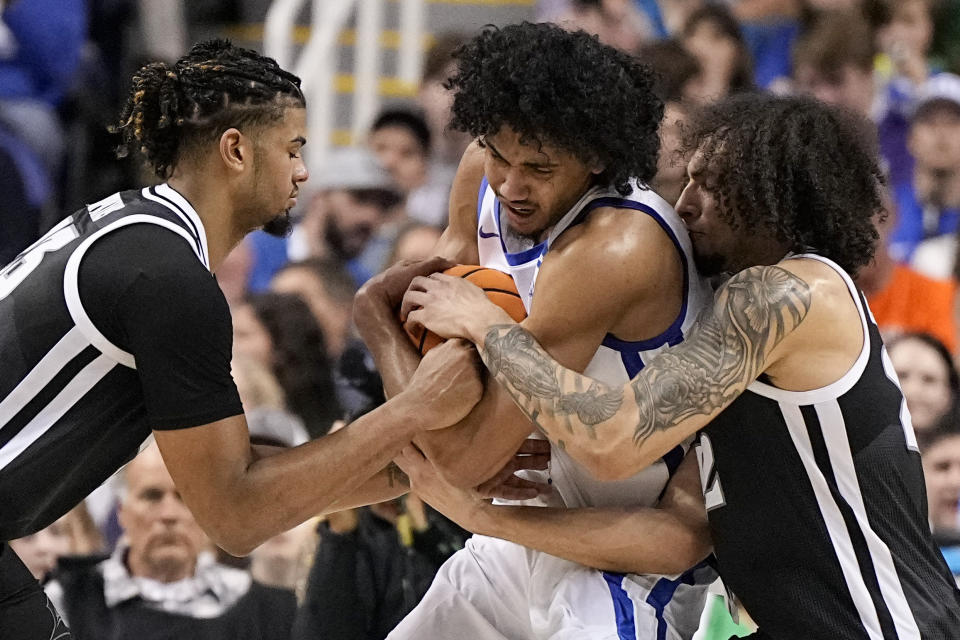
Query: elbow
[(461, 471), (608, 466)]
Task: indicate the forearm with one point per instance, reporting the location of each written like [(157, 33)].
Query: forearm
[(392, 351), (628, 540), (389, 483), (242, 506), (470, 452)]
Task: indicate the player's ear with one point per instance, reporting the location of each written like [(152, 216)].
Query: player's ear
[(235, 150), (597, 169)]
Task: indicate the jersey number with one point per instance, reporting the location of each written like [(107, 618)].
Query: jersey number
[(709, 480), (23, 265)]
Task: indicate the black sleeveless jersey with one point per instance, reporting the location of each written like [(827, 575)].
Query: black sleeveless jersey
[(818, 510), (71, 404)]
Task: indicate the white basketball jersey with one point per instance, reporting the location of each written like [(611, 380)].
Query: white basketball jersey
[(616, 361)]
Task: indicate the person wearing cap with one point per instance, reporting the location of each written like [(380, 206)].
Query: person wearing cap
[(929, 203), (351, 197)]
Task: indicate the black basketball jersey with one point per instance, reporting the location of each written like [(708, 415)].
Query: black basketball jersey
[(71, 404), (818, 510)]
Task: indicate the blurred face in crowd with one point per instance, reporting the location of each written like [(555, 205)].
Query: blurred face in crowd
[(941, 470), (848, 86), (416, 244), (910, 28), (250, 337), (349, 224), (716, 54), (536, 184), (164, 538), (925, 380), (41, 550), (934, 142), (400, 153), (333, 318)]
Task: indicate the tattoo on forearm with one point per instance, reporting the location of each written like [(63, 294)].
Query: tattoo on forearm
[(396, 477), (723, 354)]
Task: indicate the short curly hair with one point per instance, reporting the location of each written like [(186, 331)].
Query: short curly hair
[(796, 167), (561, 88)]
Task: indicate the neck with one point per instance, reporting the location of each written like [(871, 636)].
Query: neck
[(877, 276), (140, 567), (213, 203)]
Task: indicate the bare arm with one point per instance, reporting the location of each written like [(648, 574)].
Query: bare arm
[(241, 497), (667, 539), (613, 431)]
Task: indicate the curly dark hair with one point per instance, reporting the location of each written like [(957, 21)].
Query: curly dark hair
[(561, 88), (174, 111), (300, 362), (796, 167)]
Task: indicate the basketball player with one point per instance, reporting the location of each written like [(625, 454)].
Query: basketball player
[(809, 463), (112, 325), (553, 192)]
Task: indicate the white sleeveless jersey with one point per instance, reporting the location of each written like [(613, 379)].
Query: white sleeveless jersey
[(616, 361)]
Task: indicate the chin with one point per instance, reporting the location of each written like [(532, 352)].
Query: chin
[(279, 226)]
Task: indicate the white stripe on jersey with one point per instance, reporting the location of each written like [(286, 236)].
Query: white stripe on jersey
[(66, 349), (834, 430), (836, 527), (71, 287), (85, 380), (905, 420), (185, 212)]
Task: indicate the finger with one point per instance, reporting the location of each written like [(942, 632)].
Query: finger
[(507, 492), (516, 482), (412, 456), (535, 445), (411, 300)]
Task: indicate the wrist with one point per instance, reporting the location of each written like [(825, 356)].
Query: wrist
[(481, 325)]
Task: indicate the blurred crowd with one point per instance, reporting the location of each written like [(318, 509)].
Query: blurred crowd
[(132, 559)]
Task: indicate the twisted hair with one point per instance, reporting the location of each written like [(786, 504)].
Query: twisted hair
[(561, 88), (175, 110), (798, 168)]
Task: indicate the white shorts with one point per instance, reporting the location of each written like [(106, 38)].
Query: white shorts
[(497, 590)]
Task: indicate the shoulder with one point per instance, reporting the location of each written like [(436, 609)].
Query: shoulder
[(618, 239)]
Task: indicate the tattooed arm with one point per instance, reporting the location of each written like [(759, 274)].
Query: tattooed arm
[(615, 432)]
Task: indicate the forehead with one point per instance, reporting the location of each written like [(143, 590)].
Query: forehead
[(945, 449), (292, 124), (511, 144)]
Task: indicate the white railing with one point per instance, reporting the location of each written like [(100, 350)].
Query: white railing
[(318, 61)]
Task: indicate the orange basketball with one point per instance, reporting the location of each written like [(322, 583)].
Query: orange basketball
[(499, 288)]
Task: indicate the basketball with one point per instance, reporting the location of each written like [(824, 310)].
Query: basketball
[(499, 288)]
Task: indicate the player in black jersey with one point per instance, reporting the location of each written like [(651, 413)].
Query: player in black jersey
[(112, 325), (808, 461)]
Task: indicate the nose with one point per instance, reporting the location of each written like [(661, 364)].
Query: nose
[(172, 509), (687, 207), (514, 188), (300, 173)]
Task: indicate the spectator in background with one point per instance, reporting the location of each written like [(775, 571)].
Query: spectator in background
[(328, 289), (40, 55), (903, 300), (414, 241), (927, 377), (930, 203), (941, 471), (435, 100), (401, 141), (713, 37), (161, 582), (73, 534), (371, 567), (677, 70), (833, 62), (279, 331), (618, 23), (347, 202)]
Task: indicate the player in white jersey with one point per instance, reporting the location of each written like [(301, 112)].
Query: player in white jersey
[(550, 194)]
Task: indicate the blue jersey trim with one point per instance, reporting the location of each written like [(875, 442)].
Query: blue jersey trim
[(673, 335), (622, 606), (483, 191), (514, 259), (661, 595)]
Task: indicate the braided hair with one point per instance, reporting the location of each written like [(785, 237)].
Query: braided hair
[(173, 111)]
